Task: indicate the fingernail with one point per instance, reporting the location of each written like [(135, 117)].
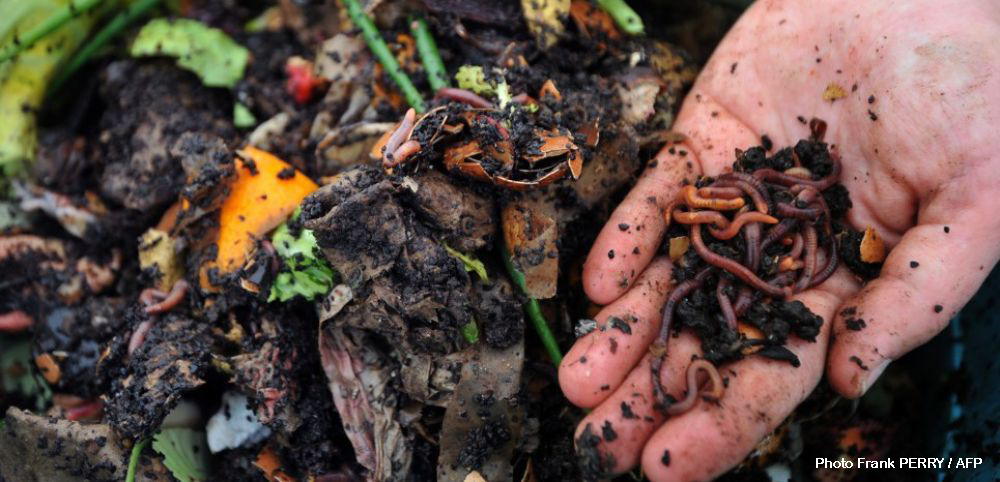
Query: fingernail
[(874, 372)]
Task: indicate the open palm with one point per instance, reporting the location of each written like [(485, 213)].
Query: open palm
[(921, 105)]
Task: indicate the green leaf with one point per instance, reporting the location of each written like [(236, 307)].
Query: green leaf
[(242, 117), (185, 453), (472, 77), (470, 331), (306, 272), (470, 262), (208, 52)]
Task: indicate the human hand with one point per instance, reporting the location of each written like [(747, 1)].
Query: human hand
[(914, 132)]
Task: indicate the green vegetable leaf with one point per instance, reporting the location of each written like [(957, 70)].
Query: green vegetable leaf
[(470, 262), (470, 331), (185, 453), (20, 376), (472, 77), (242, 117), (306, 273), (208, 52)]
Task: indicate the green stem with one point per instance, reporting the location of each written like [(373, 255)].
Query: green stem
[(624, 16), (381, 51), (534, 311), (112, 29), (133, 460), (23, 42), (437, 76)]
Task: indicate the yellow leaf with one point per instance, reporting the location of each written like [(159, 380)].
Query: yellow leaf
[(545, 19)]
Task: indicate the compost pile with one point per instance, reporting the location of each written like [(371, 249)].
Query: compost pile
[(245, 247)]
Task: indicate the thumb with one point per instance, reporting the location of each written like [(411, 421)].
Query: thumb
[(925, 281)]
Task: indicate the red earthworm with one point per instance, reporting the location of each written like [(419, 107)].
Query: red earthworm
[(831, 264), (464, 96), (725, 304), (743, 299), (777, 232), (399, 135), (15, 321), (692, 198), (789, 211), (272, 253), (810, 259), (659, 347), (782, 279), (797, 244), (750, 185), (171, 300), (402, 153), (139, 335), (700, 217), (149, 296), (691, 397), (788, 180), (751, 234), (668, 211), (737, 269), (88, 411), (719, 192), (734, 228)]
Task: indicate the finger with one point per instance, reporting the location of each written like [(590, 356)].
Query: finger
[(926, 279), (600, 360), (713, 437), (627, 418), (635, 229)]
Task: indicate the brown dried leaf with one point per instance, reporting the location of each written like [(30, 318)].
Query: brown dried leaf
[(590, 19), (872, 247), (531, 236)]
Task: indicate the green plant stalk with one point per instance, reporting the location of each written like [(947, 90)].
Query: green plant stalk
[(74, 9), (624, 16), (133, 460), (124, 18), (437, 76), (378, 47), (534, 311)]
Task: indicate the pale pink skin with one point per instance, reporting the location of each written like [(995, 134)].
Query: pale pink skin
[(929, 161)]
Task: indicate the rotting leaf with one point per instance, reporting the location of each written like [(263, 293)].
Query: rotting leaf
[(470, 331), (19, 374), (158, 253), (545, 20), (872, 247), (472, 77), (306, 273), (678, 246), (531, 237), (206, 51), (472, 264), (185, 453), (833, 92)]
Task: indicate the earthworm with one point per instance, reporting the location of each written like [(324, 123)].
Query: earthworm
[(464, 96), (810, 259), (725, 304), (797, 244), (659, 347), (789, 180), (88, 411), (402, 153), (719, 192), (751, 186), (831, 264), (691, 397), (15, 321), (777, 232), (743, 299), (789, 211), (400, 134), (737, 269), (139, 335), (751, 235), (692, 198), (171, 300), (734, 228), (782, 279), (149, 296), (699, 217)]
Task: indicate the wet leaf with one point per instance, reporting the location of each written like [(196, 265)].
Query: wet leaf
[(471, 263), (305, 273), (470, 331), (545, 19), (242, 117), (472, 77), (185, 453), (206, 51)]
